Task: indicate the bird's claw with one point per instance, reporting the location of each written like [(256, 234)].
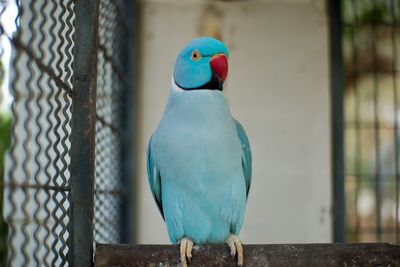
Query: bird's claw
[(186, 251), (236, 247)]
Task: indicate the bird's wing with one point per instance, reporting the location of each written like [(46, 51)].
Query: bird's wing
[(154, 179), (246, 157)]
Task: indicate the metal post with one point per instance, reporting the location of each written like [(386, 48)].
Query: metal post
[(128, 122), (337, 85), (83, 132)]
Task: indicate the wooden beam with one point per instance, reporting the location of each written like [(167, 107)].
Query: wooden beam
[(310, 255)]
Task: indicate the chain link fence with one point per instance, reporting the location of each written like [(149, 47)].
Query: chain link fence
[(110, 86), (38, 203)]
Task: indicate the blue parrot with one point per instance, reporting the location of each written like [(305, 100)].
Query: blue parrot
[(199, 158)]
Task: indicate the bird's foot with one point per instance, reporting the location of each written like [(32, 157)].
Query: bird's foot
[(186, 250), (236, 247)]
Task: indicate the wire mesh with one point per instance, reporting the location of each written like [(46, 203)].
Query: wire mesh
[(37, 190), (37, 178), (372, 179), (110, 86)]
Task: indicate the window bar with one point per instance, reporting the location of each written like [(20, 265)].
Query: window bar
[(396, 110), (337, 82), (376, 128), (357, 120)]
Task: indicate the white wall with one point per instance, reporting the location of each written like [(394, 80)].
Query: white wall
[(278, 87)]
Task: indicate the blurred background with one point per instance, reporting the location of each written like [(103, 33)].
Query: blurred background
[(314, 83), (278, 88)]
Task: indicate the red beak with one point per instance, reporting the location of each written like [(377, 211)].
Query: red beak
[(219, 66)]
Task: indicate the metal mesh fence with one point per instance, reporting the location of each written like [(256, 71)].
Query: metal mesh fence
[(37, 187), (37, 178), (110, 86), (371, 45)]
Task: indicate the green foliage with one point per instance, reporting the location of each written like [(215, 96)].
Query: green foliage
[(366, 12), (2, 72), (2, 76), (5, 141), (374, 14)]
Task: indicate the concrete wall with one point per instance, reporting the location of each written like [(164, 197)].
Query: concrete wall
[(278, 87)]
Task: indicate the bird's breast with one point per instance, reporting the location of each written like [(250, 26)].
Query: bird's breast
[(197, 140)]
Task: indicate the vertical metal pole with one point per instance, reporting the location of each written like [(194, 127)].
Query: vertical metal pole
[(83, 132), (337, 85), (394, 35), (377, 127), (128, 122)]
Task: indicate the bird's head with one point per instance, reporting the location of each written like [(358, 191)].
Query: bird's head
[(202, 64)]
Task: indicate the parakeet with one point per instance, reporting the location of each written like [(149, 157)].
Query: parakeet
[(199, 158)]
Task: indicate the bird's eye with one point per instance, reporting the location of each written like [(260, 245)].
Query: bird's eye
[(196, 55)]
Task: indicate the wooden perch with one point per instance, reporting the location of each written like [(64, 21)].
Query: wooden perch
[(310, 255)]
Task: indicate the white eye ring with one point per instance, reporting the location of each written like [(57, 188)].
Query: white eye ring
[(195, 55)]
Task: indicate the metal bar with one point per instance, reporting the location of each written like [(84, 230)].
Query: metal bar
[(39, 186), (109, 125), (284, 255), (358, 124), (366, 125), (83, 132), (109, 59), (396, 117), (364, 24), (372, 230), (128, 121), (337, 83), (109, 192), (379, 71), (368, 177), (378, 196)]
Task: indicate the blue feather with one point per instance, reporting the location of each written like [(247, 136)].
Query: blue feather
[(247, 159), (154, 180), (199, 163)]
